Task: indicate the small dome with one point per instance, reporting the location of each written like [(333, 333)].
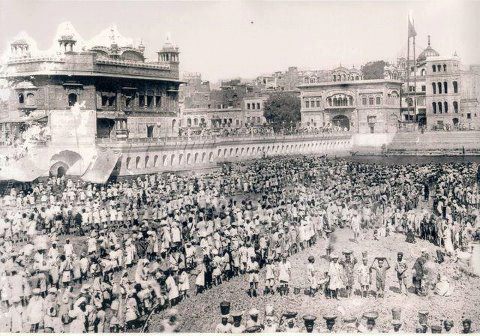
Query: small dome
[(25, 85), (20, 42), (428, 52)]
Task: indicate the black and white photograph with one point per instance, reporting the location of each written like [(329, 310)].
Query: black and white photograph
[(239, 166)]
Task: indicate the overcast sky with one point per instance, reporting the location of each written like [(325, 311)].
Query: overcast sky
[(247, 38)]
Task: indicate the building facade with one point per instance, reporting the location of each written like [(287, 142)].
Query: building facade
[(359, 106), (132, 97), (453, 94)]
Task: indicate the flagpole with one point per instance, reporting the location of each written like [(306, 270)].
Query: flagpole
[(408, 70), (414, 80)]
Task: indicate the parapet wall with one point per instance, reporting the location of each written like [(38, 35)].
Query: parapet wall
[(144, 159), (435, 143)]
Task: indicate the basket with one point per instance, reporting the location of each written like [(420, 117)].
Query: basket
[(396, 313), (423, 318), (225, 307)]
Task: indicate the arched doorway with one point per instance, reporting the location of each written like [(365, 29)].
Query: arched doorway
[(455, 122), (341, 121), (59, 169)]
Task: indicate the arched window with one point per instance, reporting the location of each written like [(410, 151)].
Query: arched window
[(439, 107), (72, 99), (422, 73), (128, 162), (189, 122), (195, 122), (378, 101), (334, 101), (434, 88), (137, 162), (439, 67), (155, 160), (172, 159), (30, 101), (455, 87), (455, 107), (445, 67), (174, 123), (434, 107), (21, 98), (434, 69), (147, 158), (439, 85), (445, 87), (445, 107), (334, 78)]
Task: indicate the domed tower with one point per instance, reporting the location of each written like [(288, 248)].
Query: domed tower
[(67, 42), (169, 52), (20, 48), (67, 38), (428, 52)]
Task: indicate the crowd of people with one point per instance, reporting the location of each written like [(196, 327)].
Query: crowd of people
[(77, 257)]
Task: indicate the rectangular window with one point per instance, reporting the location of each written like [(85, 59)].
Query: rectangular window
[(112, 100), (469, 116), (149, 101), (129, 101), (307, 103), (104, 100), (370, 101), (378, 102), (158, 101), (141, 100), (364, 101), (318, 103), (248, 106), (424, 88), (258, 106)]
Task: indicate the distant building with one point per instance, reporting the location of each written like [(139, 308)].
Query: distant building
[(453, 94), (234, 105), (356, 105)]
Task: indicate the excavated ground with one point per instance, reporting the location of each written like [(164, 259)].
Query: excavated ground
[(201, 313)]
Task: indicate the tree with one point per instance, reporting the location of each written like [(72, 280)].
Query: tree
[(373, 70), (282, 110)]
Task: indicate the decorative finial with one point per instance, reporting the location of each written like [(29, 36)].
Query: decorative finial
[(429, 40), (112, 35), (455, 53)]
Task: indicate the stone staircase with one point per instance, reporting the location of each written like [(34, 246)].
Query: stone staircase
[(435, 143)]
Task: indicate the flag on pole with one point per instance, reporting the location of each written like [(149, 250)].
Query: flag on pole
[(411, 28)]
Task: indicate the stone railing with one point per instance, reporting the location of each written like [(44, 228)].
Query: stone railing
[(212, 139)]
